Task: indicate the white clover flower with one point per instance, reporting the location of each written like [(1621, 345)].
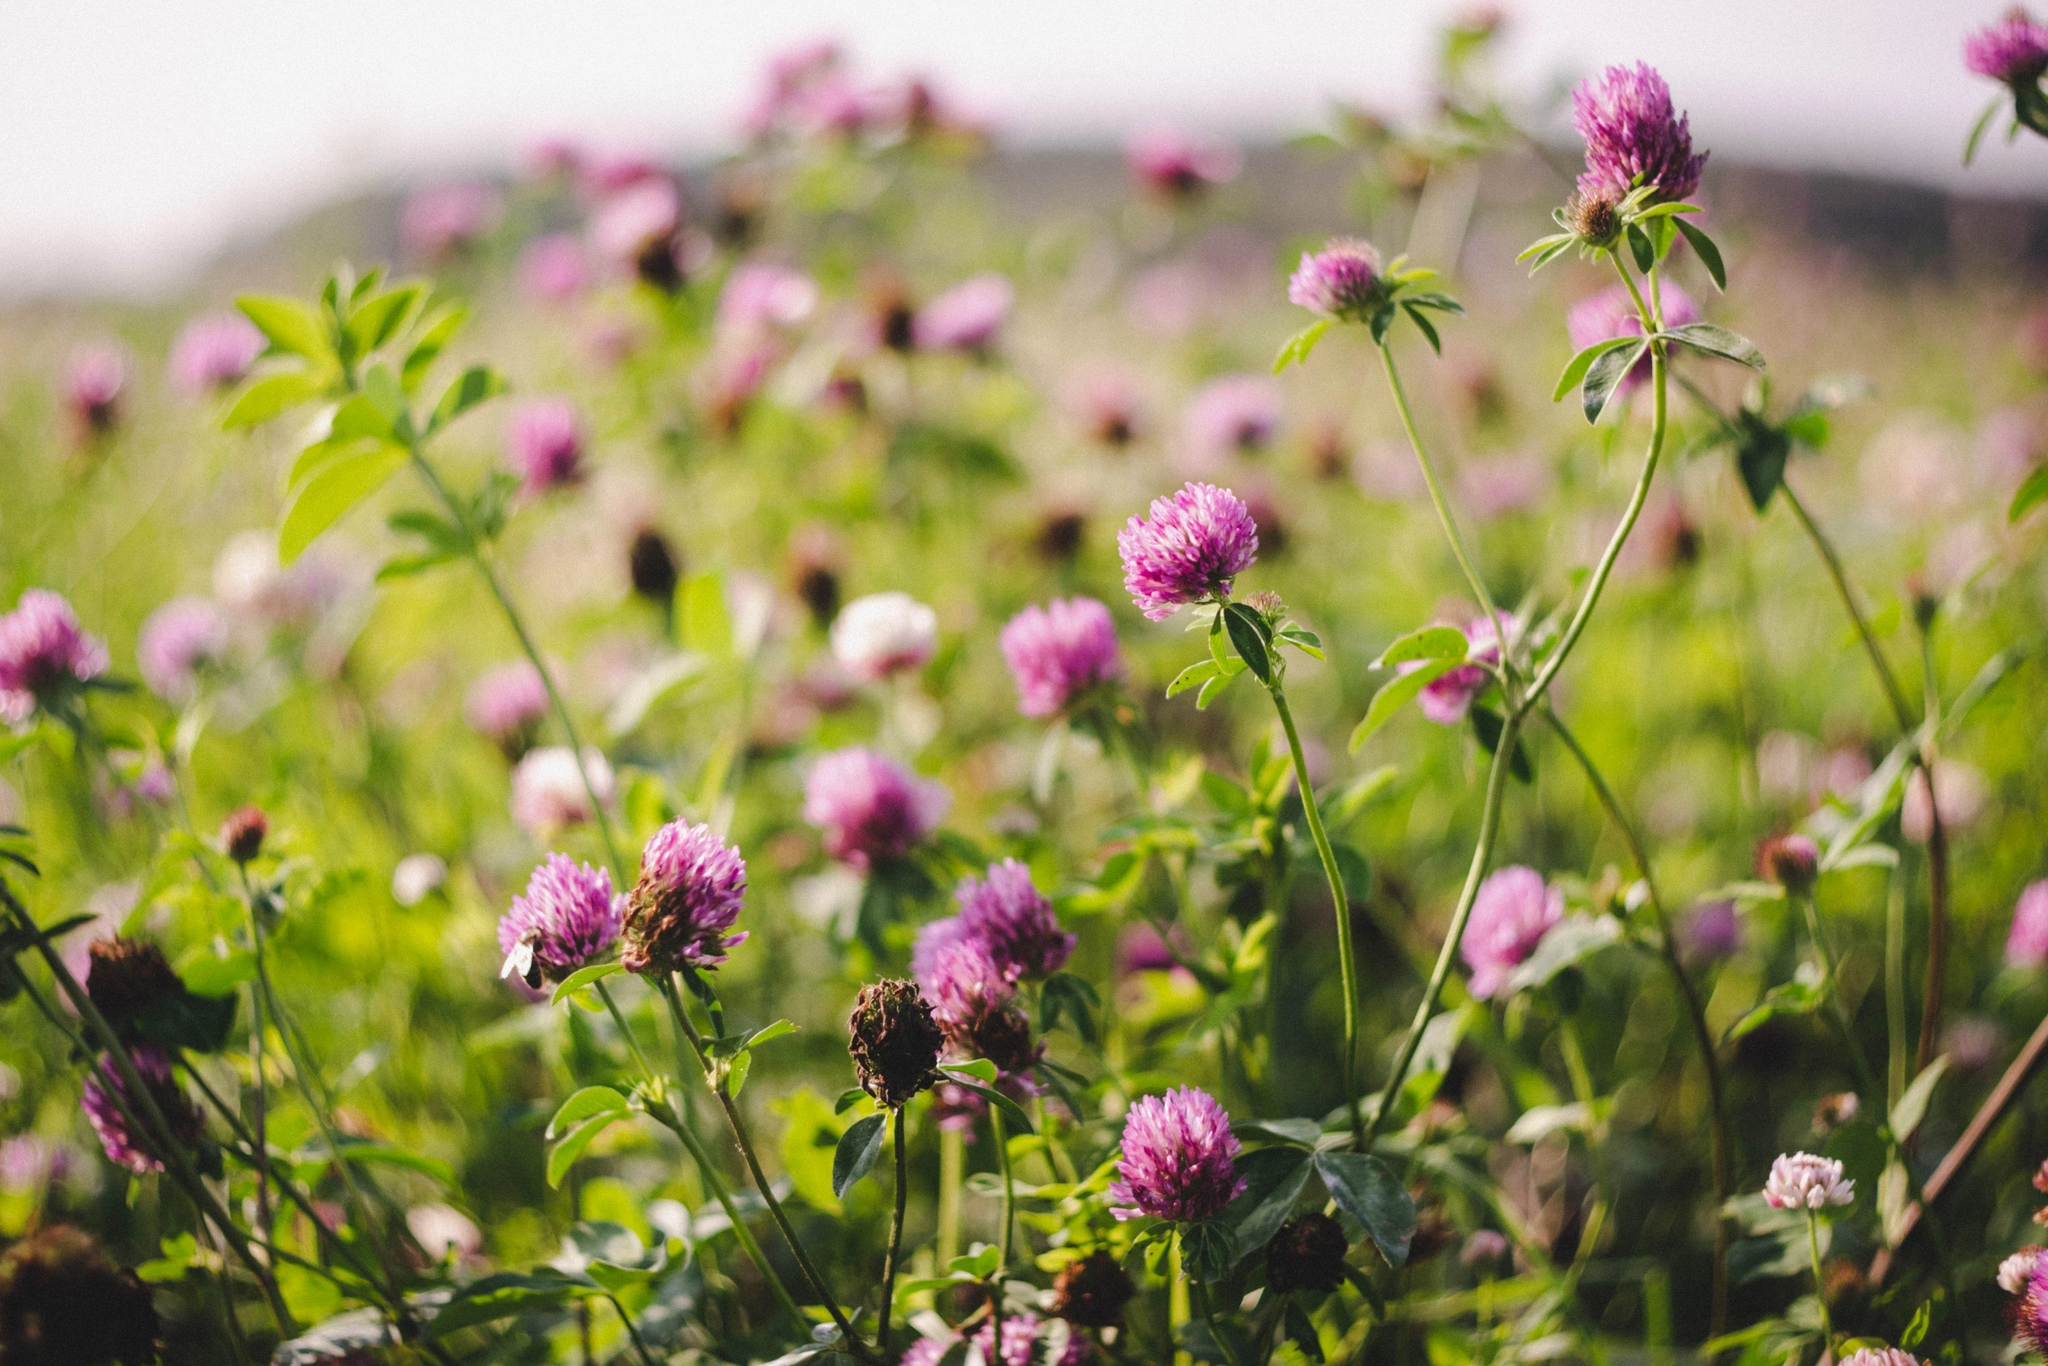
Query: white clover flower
[(2015, 1271), (548, 793), (884, 633), (416, 877), (1803, 1181)]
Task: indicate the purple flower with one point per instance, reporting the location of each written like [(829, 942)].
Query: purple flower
[(506, 706), (1022, 1334), (553, 267), (43, 652), (2013, 1273), (1176, 165), (869, 806), (214, 352), (1612, 313), (1178, 1158), (1341, 281), (1196, 542), (1058, 652), (2027, 944), (2013, 50), (1106, 407), (966, 317), (1713, 931), (2031, 1320), (544, 444), (548, 790), (959, 974), (1512, 913), (104, 1091), (1015, 920), (691, 889), (94, 376), (760, 298), (1482, 1247), (568, 917), (1236, 413), (642, 217), (1803, 1181), (1633, 136), (1880, 1356), (443, 219), (1447, 698), (178, 641)]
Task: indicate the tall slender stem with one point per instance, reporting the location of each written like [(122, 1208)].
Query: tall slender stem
[(952, 1170), (1865, 1077), (1340, 906), (1703, 1034), (995, 1299), (1879, 664), (1443, 507), (1820, 1287), (895, 1231), (259, 1120), (761, 1183)]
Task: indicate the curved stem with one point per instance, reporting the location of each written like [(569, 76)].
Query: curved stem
[(995, 1299), (639, 1346), (1885, 677), (259, 1120), (1703, 1034), (1820, 1288), (1340, 907), (895, 1232), (1443, 507), (1482, 854)]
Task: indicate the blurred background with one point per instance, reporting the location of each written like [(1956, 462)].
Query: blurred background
[(146, 140)]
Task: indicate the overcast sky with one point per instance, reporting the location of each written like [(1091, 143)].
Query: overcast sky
[(141, 136)]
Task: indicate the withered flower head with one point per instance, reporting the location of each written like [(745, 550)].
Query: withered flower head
[(63, 1302), (896, 1042), (126, 978), (1092, 1292), (242, 834), (1306, 1254)]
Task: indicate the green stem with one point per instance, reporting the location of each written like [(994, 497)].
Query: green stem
[(761, 1183), (604, 994), (895, 1233), (526, 645), (995, 1299), (1865, 1077), (1703, 1034), (952, 1169), (1340, 905), (1878, 663), (1895, 988), (1820, 1289), (639, 1346), (257, 1113), (1443, 507), (1482, 854), (1207, 1310)]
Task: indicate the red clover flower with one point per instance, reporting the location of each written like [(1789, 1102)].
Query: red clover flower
[(1178, 1159), (1194, 544)]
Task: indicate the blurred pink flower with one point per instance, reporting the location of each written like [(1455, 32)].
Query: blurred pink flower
[(642, 218), (1176, 164), (544, 444), (609, 172), (553, 267), (2026, 945), (1495, 485), (1612, 313), (44, 653), (95, 373), (443, 219), (548, 791), (760, 297), (870, 807), (965, 317), (1512, 913), (1104, 404), (1058, 652), (1960, 792), (506, 706), (1447, 699), (213, 352), (1233, 414), (178, 641)]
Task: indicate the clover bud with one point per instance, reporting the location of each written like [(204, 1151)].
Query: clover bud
[(896, 1042), (1306, 1254), (242, 834), (1092, 1292)]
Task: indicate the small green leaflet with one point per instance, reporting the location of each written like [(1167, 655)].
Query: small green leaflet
[(1296, 349), (1431, 642), (859, 1147), (1398, 693)]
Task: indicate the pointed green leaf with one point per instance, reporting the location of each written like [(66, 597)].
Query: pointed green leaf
[(337, 487), (1199, 672), (584, 1105), (1575, 369), (503, 1296), (269, 396), (289, 324), (1398, 693), (1366, 1190), (430, 345), (1604, 376), (1709, 254), (1296, 349), (1431, 642), (1426, 327), (1710, 340), (1912, 1106), (2030, 495), (582, 978), (858, 1149), (1251, 637), (563, 1155), (471, 387), (377, 321)]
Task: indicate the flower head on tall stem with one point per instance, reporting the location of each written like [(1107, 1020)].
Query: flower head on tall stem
[(243, 832), (1804, 1181), (544, 444), (1175, 165), (1510, 916), (1059, 653), (566, 919), (2014, 50), (1178, 1159), (1633, 135), (895, 1042), (549, 792), (105, 1094), (966, 317), (1343, 281), (1231, 415), (691, 889), (214, 352), (870, 807), (44, 654), (506, 706), (1791, 861), (95, 376), (1193, 545)]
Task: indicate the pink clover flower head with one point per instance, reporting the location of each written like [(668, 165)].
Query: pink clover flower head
[(691, 890), (506, 705), (1447, 698), (441, 220), (1059, 652), (43, 653), (1515, 908), (760, 297), (1025, 1341), (608, 173), (870, 807), (1633, 136), (1008, 913), (2015, 1271), (179, 641), (103, 1092), (443, 1231), (1176, 165), (1193, 545), (1880, 1356), (966, 317), (548, 791), (1234, 413), (1105, 406), (26, 1161), (213, 352), (1803, 1181), (567, 918), (790, 74), (1178, 1159), (927, 1351), (2031, 1320), (1485, 1245), (638, 217), (544, 444), (2013, 50), (553, 267), (1342, 281), (1612, 313), (959, 975), (2026, 945), (95, 374), (883, 634)]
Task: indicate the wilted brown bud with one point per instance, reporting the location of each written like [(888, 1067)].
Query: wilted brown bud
[(1059, 536), (1791, 861), (1832, 1112), (64, 1302), (126, 978), (652, 563), (242, 834), (1593, 219), (1003, 1036), (1092, 1292), (896, 1042), (1306, 1254)]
